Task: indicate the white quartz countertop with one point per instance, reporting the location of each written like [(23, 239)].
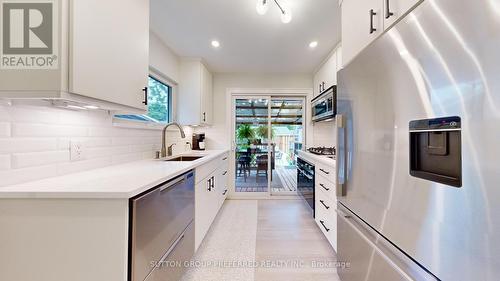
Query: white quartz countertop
[(118, 181), (308, 156)]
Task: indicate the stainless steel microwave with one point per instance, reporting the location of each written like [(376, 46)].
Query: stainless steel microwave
[(324, 106)]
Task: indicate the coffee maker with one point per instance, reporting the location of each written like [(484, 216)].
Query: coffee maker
[(198, 141)]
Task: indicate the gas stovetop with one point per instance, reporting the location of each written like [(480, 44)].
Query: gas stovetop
[(327, 151)]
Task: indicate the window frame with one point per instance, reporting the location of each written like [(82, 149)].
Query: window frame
[(158, 78), (143, 124)]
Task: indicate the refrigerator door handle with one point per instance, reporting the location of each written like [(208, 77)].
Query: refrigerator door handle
[(342, 156)]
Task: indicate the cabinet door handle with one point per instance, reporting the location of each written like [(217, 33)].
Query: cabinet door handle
[(388, 12), (224, 193), (372, 13), (213, 183), (224, 159), (323, 224), (324, 171), (145, 90), (204, 117), (225, 173), (323, 186), (209, 184), (323, 202)]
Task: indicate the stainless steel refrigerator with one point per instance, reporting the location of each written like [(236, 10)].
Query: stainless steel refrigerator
[(419, 148)]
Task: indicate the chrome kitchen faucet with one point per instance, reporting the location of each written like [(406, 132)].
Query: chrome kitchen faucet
[(163, 152)]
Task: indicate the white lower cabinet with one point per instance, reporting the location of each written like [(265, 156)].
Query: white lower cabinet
[(210, 193), (326, 216)]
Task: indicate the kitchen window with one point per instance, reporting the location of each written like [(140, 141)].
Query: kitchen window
[(159, 103)]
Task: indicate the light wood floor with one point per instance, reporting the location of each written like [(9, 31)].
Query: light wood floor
[(286, 231), (280, 236)]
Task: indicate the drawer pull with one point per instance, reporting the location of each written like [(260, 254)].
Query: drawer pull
[(171, 184), (372, 29), (323, 202), (225, 173), (224, 159), (323, 186), (388, 12), (324, 171), (224, 193), (323, 224)]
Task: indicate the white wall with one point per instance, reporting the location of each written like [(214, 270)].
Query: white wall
[(162, 59), (218, 135)]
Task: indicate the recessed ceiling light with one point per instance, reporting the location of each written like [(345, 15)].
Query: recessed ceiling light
[(313, 44), (215, 44)]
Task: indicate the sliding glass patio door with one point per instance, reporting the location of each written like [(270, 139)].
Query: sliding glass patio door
[(267, 132), (287, 138), (251, 115)]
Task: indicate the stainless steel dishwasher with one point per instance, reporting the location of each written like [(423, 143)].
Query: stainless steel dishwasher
[(162, 230)]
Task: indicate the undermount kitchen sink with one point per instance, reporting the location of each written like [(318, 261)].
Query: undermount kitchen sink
[(184, 158)]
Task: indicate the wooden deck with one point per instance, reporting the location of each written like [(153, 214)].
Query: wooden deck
[(288, 177), (284, 180)]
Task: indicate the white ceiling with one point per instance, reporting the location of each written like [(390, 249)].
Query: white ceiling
[(250, 42)]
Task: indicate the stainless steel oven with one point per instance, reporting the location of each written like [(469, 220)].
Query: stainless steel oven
[(305, 182), (324, 106)]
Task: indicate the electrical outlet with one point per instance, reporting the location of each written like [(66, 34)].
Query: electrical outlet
[(77, 150)]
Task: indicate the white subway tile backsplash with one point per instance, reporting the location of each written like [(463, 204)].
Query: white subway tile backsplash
[(100, 132), (35, 141), (97, 152), (23, 160), (32, 114), (46, 130), (4, 129), (143, 147), (97, 142), (11, 145), (4, 162), (121, 150), (124, 158), (63, 143), (126, 141)]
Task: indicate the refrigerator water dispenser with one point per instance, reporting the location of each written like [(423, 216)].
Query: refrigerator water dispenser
[(436, 150)]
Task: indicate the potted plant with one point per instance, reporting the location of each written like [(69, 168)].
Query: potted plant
[(245, 133), (261, 132)]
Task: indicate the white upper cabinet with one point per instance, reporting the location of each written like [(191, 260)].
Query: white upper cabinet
[(361, 24), (326, 76), (100, 51), (195, 97), (364, 20), (395, 9), (110, 43)]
